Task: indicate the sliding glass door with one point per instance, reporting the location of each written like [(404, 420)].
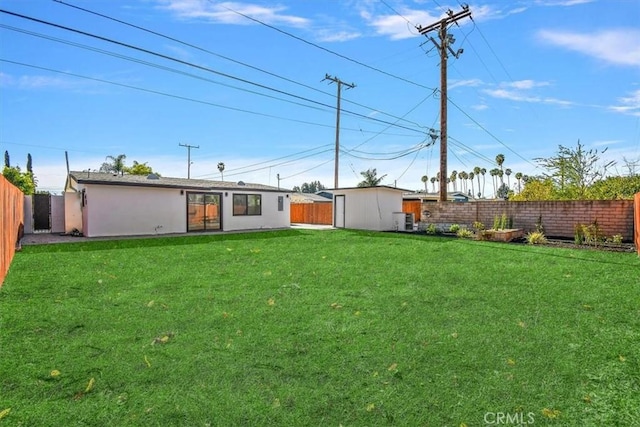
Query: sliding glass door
[(203, 212)]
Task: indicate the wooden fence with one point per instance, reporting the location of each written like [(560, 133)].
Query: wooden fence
[(11, 223), (312, 213), (637, 222), (414, 207)]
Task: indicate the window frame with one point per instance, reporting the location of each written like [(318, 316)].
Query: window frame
[(246, 205)]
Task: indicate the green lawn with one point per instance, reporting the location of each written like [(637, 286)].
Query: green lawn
[(323, 328)]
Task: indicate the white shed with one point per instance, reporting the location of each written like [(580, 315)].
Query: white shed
[(105, 204), (368, 208)]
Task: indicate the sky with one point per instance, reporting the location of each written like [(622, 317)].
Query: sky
[(254, 85)]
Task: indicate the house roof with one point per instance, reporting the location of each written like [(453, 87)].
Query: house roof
[(451, 195), (308, 198), (101, 178), (387, 187)]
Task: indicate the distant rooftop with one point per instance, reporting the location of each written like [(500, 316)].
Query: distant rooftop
[(153, 180)]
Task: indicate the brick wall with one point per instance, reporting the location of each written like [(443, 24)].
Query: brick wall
[(558, 217)]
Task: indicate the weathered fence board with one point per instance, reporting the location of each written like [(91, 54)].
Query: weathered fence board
[(11, 225)]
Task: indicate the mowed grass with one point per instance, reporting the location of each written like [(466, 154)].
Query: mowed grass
[(302, 327)]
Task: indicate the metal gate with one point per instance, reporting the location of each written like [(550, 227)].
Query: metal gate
[(41, 212)]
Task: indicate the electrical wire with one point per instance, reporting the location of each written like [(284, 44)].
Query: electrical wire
[(323, 48), (490, 134), (184, 98), (235, 61), (200, 67)]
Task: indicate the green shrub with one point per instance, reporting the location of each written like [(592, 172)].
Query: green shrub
[(496, 222), (536, 238), (464, 233), (578, 234), (478, 226), (617, 239), (431, 229), (504, 222), (454, 228)]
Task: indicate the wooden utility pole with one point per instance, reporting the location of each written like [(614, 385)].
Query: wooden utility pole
[(337, 155), (446, 40), (189, 147)]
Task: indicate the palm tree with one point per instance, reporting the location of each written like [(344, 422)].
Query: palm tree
[(471, 176), (508, 172), (519, 177), (484, 181), (221, 169), (494, 172), (433, 183), (465, 177), (371, 178), (452, 178), (500, 160), (424, 180), (114, 164)]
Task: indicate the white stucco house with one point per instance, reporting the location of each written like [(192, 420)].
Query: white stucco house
[(368, 208), (106, 204)]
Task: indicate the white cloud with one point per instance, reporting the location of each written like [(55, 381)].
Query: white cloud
[(225, 12), (619, 46), (629, 104), (480, 107), (336, 36), (465, 83), (525, 84), (520, 91), (562, 2)]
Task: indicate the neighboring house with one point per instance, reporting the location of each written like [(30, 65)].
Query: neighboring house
[(104, 204), (452, 196), (308, 198), (368, 208), (325, 193)]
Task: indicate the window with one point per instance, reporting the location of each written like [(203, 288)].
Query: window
[(247, 204)]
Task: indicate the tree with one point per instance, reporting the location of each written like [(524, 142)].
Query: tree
[(25, 181), (537, 189), (484, 181), (424, 180), (508, 172), (221, 169), (433, 183), (500, 160), (114, 164), (615, 187), (453, 176), (371, 178), (519, 178), (309, 187), (7, 161), (471, 176), (494, 172), (140, 169), (573, 170)]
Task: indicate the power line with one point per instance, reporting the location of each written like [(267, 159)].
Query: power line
[(490, 134), (324, 48), (183, 98), (235, 61), (198, 67)]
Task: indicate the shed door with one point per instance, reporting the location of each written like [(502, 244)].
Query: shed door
[(338, 213)]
